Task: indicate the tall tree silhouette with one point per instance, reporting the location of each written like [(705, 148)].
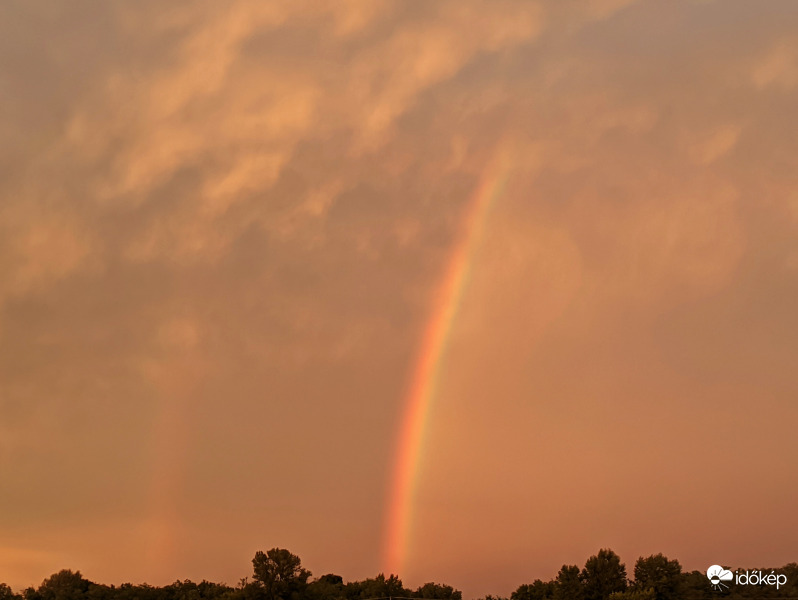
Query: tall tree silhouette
[(659, 574), (280, 574), (569, 584), (603, 574)]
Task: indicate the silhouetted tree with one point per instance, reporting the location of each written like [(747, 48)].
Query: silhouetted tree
[(569, 584), (603, 574), (379, 587), (280, 574), (326, 587), (437, 591), (6, 593), (245, 590), (634, 594), (660, 574), (537, 590), (64, 585), (693, 585)]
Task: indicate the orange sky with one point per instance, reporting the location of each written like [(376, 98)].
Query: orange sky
[(222, 230)]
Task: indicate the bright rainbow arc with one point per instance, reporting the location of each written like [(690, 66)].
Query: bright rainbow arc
[(427, 368)]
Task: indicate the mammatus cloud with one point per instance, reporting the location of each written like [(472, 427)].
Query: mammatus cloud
[(232, 118)]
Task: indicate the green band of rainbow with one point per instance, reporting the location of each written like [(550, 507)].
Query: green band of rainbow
[(426, 372)]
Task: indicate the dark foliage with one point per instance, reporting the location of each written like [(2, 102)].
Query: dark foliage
[(279, 575)]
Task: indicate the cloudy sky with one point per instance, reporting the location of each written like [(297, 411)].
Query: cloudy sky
[(222, 231)]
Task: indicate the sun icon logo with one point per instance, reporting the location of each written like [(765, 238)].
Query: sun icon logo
[(717, 575)]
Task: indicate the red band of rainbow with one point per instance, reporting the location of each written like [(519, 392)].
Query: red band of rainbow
[(423, 384)]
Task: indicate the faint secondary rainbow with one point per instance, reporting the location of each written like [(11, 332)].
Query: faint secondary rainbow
[(426, 371)]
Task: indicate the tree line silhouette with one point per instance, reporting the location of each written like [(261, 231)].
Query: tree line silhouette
[(279, 575)]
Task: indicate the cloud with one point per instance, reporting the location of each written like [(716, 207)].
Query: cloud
[(228, 120), (45, 251), (710, 147), (778, 67)]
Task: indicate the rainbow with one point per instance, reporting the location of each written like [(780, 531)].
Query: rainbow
[(426, 371)]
